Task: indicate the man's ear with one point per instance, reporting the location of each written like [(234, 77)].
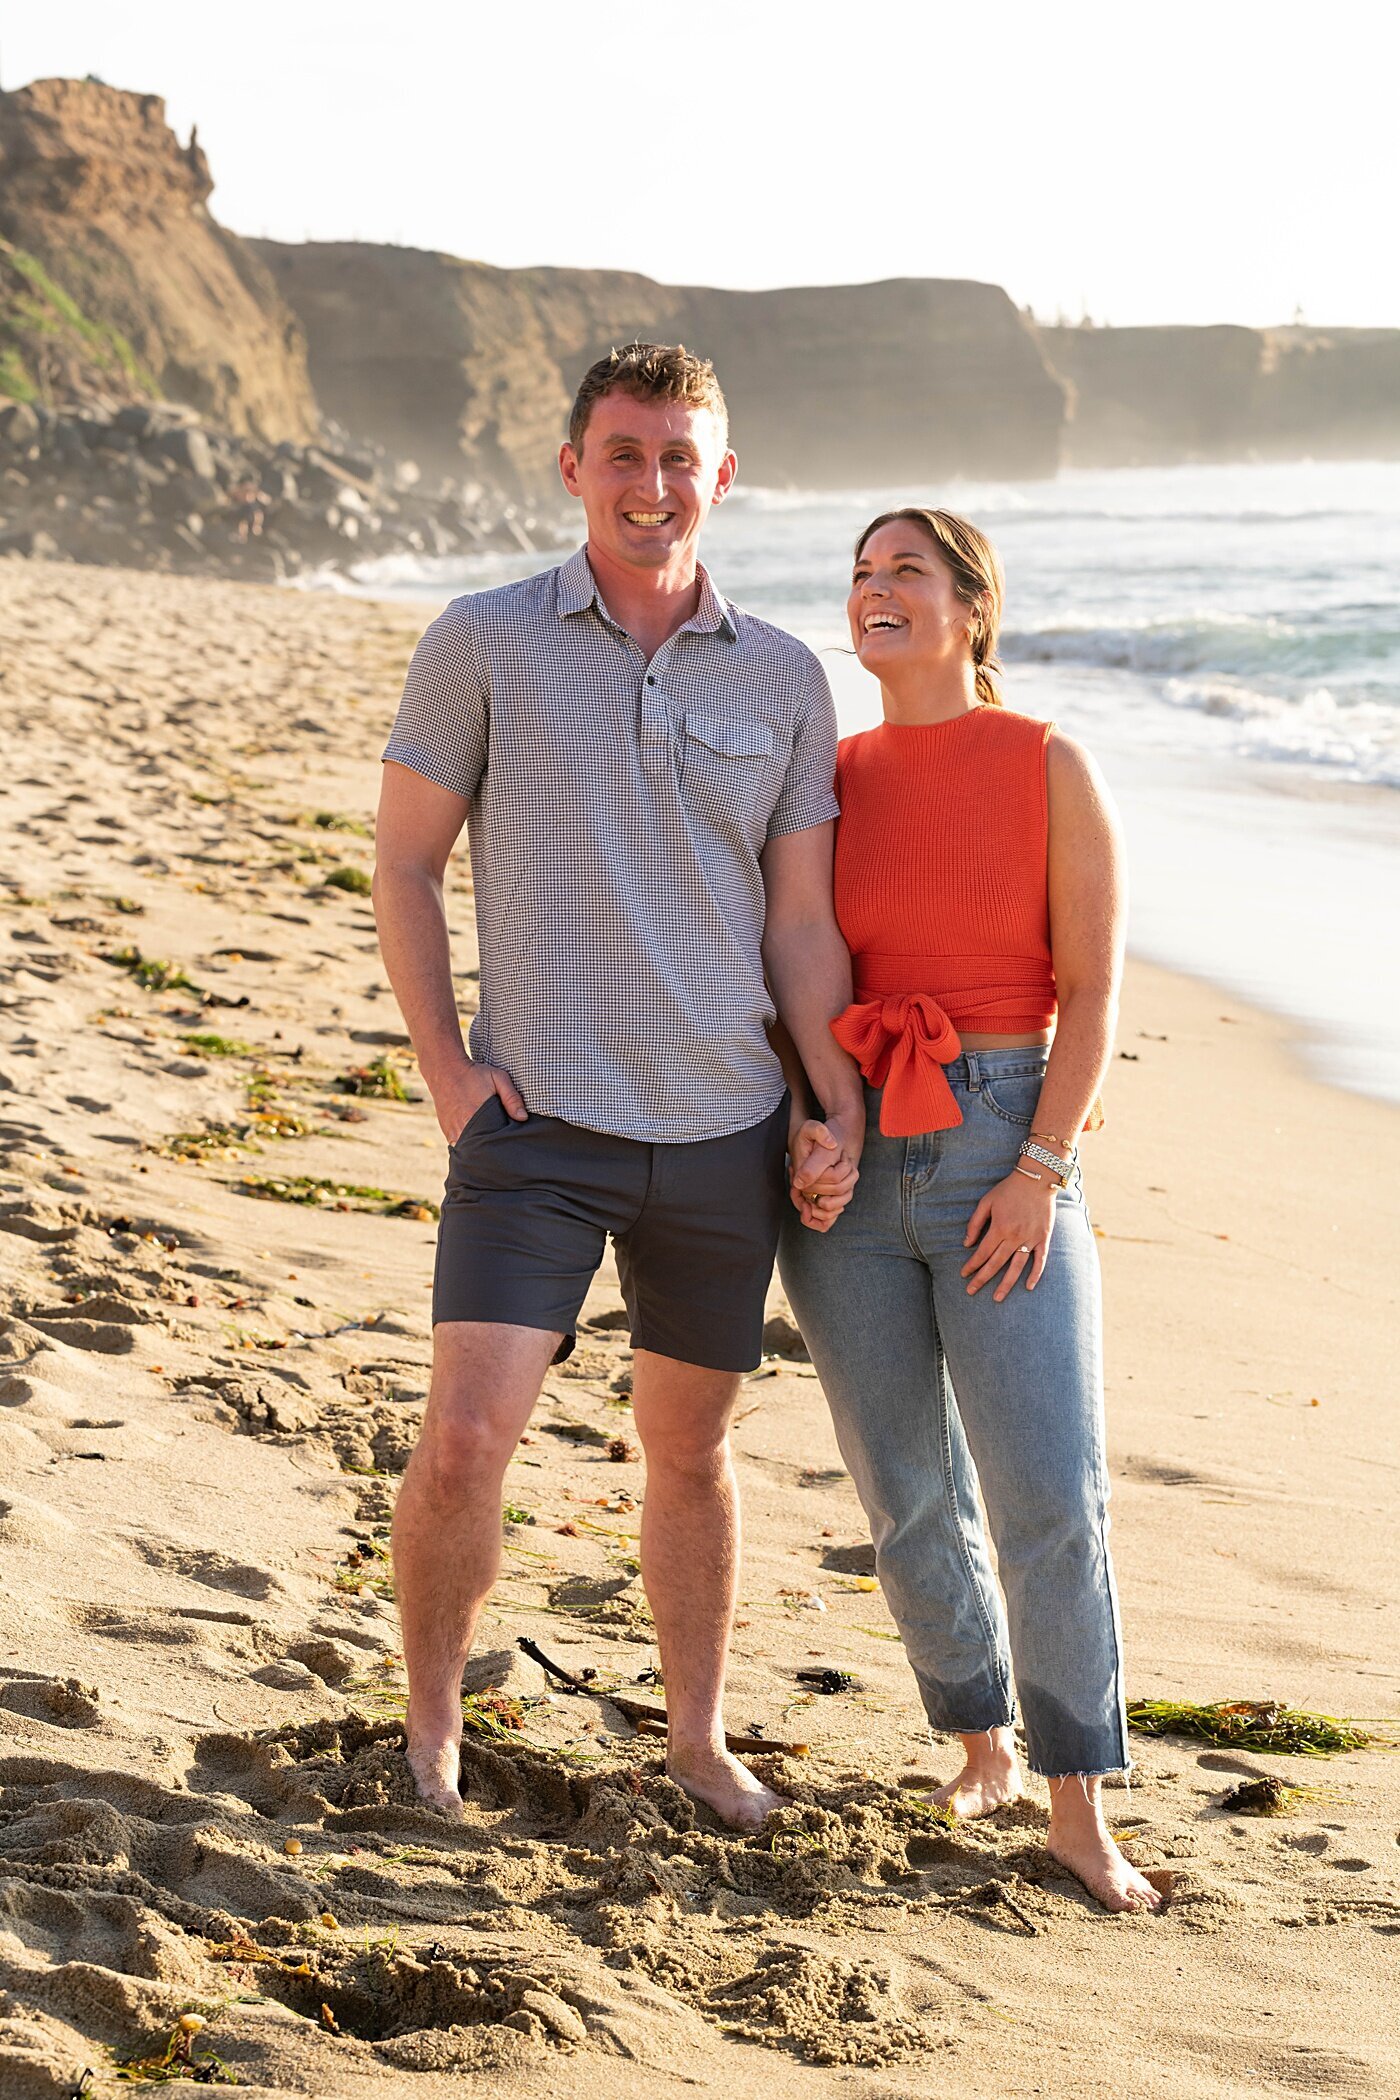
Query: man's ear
[(724, 479), (568, 468)]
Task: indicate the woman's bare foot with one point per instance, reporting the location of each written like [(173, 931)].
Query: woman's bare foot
[(717, 1778), (434, 1758), (1080, 1841), (990, 1777)]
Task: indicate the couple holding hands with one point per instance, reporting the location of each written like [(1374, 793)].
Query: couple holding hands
[(744, 992)]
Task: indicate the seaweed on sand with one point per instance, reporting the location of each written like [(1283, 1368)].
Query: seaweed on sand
[(316, 1192), (379, 1078), (1250, 1724), (1266, 1797), (152, 972), (178, 2059), (206, 1044)]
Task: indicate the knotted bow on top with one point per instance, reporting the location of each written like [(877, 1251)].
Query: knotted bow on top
[(902, 1043)]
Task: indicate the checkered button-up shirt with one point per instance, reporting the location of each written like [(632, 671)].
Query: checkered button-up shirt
[(618, 809)]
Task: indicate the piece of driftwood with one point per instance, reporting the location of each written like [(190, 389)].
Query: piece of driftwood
[(645, 1718)]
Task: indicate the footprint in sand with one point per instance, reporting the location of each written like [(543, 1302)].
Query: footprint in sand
[(61, 1701), (31, 1220), (103, 1322), (286, 1676), (89, 1334), (1231, 1761), (215, 1570), (330, 1660)]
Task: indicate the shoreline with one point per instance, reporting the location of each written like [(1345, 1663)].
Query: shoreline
[(1228, 887), (209, 1385)]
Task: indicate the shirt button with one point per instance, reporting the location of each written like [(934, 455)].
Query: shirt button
[(651, 681)]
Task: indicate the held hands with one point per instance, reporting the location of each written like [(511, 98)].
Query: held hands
[(822, 1166), (1012, 1227), (464, 1092)]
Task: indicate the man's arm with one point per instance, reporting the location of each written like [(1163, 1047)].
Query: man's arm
[(809, 974), (418, 826)]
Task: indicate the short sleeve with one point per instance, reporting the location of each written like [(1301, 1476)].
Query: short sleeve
[(440, 730), (808, 795)]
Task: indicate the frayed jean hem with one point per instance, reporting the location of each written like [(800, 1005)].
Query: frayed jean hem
[(1117, 1771)]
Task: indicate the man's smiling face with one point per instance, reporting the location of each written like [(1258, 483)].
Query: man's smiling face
[(647, 475)]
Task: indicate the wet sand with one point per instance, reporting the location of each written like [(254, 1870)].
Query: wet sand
[(208, 1392)]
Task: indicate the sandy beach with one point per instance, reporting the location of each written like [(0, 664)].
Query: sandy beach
[(216, 1231)]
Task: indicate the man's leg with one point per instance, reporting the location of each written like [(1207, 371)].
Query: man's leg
[(690, 1561), (447, 1526)]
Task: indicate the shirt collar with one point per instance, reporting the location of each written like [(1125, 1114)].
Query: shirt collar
[(576, 589)]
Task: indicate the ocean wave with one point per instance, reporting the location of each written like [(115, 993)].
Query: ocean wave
[(1361, 743), (1068, 514), (1357, 741), (1349, 644)]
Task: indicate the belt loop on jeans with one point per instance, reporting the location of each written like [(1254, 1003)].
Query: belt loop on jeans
[(974, 1071)]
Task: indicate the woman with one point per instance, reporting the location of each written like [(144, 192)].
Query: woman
[(979, 888)]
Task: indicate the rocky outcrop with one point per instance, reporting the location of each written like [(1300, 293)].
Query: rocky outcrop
[(1162, 396), (472, 369), (108, 229), (147, 486)]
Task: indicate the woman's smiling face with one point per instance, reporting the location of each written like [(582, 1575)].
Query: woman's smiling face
[(903, 604)]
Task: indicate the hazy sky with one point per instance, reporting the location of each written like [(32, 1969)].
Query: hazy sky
[(1171, 163)]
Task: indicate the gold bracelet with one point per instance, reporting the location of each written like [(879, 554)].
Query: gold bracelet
[(1051, 1139), (1029, 1175)]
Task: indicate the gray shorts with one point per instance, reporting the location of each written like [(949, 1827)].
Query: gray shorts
[(529, 1206)]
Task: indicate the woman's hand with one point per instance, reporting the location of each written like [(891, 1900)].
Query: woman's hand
[(1012, 1227)]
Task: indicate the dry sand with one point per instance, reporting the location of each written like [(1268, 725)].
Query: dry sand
[(206, 1396)]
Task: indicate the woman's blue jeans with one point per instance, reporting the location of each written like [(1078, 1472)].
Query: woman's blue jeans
[(895, 1337)]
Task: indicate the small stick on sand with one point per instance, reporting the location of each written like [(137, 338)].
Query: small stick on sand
[(645, 1718)]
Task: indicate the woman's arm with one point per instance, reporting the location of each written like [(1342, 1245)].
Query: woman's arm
[(1088, 908), (1088, 916)]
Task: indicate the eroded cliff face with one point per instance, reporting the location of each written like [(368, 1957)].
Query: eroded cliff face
[(117, 284), (470, 369), (109, 213), (454, 364), (1165, 396)]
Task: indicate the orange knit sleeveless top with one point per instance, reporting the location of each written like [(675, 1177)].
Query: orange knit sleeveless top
[(942, 897)]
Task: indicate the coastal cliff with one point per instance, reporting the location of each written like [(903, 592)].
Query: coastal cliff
[(471, 369), (347, 394), (1163, 396), (116, 282)]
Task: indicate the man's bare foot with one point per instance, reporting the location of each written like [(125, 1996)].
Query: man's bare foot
[(990, 1777), (1080, 1841), (434, 1758), (717, 1778)]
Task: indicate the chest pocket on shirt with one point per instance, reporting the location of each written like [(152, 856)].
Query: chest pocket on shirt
[(727, 770)]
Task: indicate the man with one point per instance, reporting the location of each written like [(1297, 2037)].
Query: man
[(646, 776)]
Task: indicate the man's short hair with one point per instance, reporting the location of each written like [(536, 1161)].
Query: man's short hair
[(649, 372)]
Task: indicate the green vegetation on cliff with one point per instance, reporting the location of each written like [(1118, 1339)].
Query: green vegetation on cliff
[(48, 345)]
